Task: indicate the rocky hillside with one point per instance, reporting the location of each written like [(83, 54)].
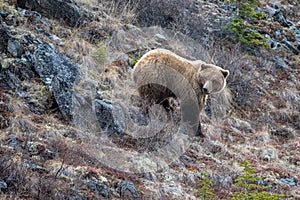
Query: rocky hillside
[(71, 125)]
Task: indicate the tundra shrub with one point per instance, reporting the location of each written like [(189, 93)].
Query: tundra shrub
[(206, 189), (242, 26), (248, 187)]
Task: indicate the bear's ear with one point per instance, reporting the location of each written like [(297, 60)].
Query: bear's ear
[(225, 73)]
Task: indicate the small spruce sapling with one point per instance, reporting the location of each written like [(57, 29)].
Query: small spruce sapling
[(248, 187), (205, 192)]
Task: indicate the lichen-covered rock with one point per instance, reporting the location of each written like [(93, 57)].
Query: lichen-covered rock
[(15, 70), (3, 185), (51, 63), (280, 17), (3, 38), (13, 142), (14, 47), (111, 117), (35, 167), (14, 64), (30, 55), (8, 77), (59, 72), (287, 35), (102, 189), (58, 9), (127, 190)]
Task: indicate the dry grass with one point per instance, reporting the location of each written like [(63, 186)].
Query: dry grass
[(121, 10)]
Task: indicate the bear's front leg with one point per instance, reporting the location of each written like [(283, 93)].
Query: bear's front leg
[(199, 131)]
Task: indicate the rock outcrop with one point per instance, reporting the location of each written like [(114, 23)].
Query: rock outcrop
[(66, 11), (30, 57)]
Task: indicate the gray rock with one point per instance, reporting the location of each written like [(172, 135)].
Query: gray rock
[(33, 166), (8, 76), (8, 80), (102, 189), (3, 38), (51, 63), (225, 181), (270, 10), (15, 69), (111, 117), (59, 72), (160, 38), (3, 185), (296, 33), (139, 118), (48, 154), (54, 68), (63, 96), (10, 20), (61, 10), (280, 63), (7, 17), (283, 132), (261, 182), (151, 176), (289, 181), (33, 15), (274, 5), (191, 180), (7, 63), (181, 177), (280, 17), (127, 190), (291, 46), (3, 13), (13, 142), (14, 47), (278, 33)]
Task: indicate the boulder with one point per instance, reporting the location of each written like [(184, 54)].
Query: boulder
[(58, 72), (111, 117), (28, 56), (102, 189), (127, 190), (57, 9)]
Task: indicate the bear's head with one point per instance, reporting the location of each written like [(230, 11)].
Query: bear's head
[(212, 78)]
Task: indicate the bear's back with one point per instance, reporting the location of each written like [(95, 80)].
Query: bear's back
[(162, 58)]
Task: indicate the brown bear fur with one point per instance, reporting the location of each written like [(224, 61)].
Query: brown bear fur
[(161, 74)]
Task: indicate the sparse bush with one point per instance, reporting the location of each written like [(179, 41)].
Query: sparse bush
[(205, 191), (134, 59), (248, 187), (246, 10), (242, 24), (246, 183), (14, 174), (100, 54)]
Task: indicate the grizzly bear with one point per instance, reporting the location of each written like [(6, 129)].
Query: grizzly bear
[(161, 74)]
